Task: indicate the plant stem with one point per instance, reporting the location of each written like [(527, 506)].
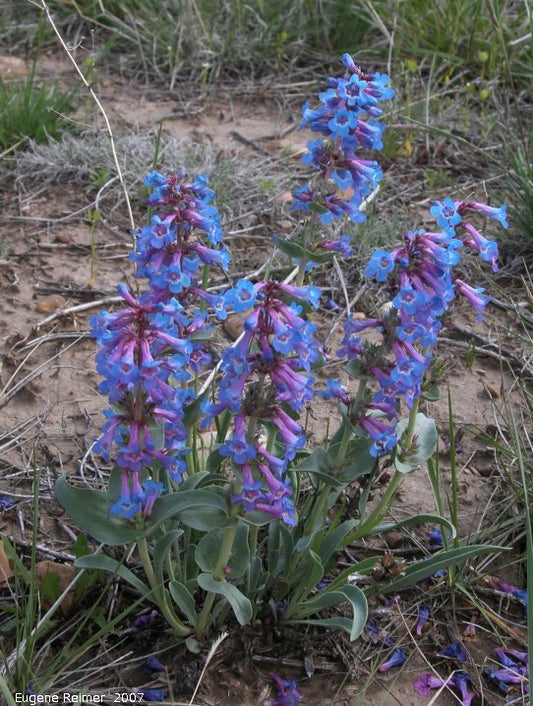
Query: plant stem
[(301, 272), (159, 592), (348, 430), (218, 575), (345, 441), (317, 517), (410, 431), (378, 513)]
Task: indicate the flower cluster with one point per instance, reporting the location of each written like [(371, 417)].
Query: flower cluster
[(346, 121), (266, 375), (148, 349), (171, 254), (421, 274)]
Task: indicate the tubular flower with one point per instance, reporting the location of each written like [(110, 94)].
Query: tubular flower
[(424, 685), (264, 377), (287, 695), (149, 349), (420, 270), (345, 120), (396, 660), (140, 361)]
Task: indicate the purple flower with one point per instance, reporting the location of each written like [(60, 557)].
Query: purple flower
[(423, 615), (242, 297), (425, 683), (453, 651), (143, 622), (495, 681), (335, 390), (474, 296), (397, 658), (152, 664), (152, 491), (520, 593), (520, 656), (287, 694), (435, 537), (461, 681), (510, 675), (341, 246), (151, 694), (488, 249), (496, 213), (6, 502)]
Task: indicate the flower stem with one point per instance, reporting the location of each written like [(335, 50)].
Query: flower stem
[(301, 272), (378, 513), (218, 575), (159, 592), (410, 431)]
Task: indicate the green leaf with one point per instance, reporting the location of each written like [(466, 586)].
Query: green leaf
[(240, 552), (50, 586), (295, 250), (280, 547), (202, 479), (362, 568), (90, 511), (363, 463), (19, 569), (426, 436), (241, 605), (432, 394), (214, 460), (202, 509), (161, 549), (331, 598), (157, 432), (80, 546), (437, 562), (183, 598), (309, 571), (257, 518), (356, 368), (208, 551), (193, 411), (259, 578), (318, 464), (204, 334), (107, 563), (332, 541)]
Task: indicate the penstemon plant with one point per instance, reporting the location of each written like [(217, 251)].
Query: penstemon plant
[(213, 480)]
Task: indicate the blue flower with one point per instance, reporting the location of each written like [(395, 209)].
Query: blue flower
[(152, 694), (447, 214), (152, 664), (287, 695), (453, 651), (397, 658), (380, 266), (423, 615), (435, 538), (241, 297)]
